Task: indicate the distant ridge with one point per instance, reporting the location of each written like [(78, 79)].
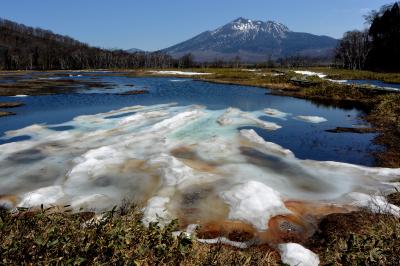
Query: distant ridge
[(253, 40), (134, 50)]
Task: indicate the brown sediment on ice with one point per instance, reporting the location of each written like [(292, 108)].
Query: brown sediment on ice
[(189, 157), (296, 227), (201, 205)]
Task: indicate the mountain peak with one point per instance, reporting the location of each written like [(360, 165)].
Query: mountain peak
[(279, 28), (246, 26), (253, 40), (240, 20)]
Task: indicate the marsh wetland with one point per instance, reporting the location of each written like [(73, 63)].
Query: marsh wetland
[(178, 144)]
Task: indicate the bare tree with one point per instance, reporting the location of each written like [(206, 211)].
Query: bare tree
[(353, 50), (236, 62)]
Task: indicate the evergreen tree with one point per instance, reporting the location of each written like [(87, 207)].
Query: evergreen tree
[(385, 35)]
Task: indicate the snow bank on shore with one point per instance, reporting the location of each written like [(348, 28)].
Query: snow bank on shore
[(310, 73), (183, 73), (296, 255)]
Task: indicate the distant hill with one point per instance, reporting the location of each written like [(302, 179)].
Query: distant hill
[(134, 50), (23, 47), (253, 40)]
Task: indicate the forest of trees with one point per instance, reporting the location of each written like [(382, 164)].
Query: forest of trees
[(23, 47), (377, 48)]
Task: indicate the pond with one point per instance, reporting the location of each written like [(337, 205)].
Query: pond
[(201, 152)]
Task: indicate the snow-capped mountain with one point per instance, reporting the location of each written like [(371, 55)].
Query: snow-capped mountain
[(253, 40), (250, 29)]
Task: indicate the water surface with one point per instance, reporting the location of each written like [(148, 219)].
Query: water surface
[(307, 141)]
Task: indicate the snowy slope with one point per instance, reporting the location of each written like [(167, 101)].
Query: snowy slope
[(253, 40)]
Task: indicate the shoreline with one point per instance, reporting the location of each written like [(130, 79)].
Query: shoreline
[(120, 235)]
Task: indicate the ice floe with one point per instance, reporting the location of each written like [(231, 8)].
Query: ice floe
[(233, 116), (269, 147), (275, 113), (312, 119)]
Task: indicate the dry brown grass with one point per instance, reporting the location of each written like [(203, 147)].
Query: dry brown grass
[(118, 238)]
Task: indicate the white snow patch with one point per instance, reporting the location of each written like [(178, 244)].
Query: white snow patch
[(233, 116), (376, 204), (255, 203), (341, 81), (251, 70), (225, 241), (310, 73), (173, 171), (46, 196), (277, 74), (183, 73), (190, 230), (156, 211), (297, 255), (270, 147), (275, 113)]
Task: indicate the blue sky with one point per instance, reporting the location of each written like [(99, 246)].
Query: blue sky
[(156, 24)]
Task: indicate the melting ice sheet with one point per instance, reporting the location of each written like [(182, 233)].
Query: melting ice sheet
[(184, 162)]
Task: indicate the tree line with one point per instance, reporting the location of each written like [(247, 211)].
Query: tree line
[(28, 48), (376, 48)]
